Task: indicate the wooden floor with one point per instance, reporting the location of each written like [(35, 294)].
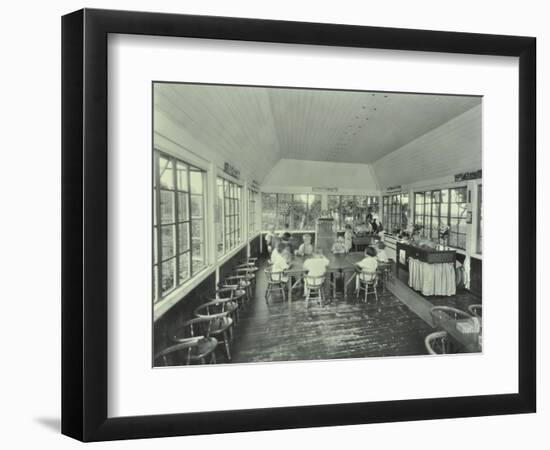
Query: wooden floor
[(343, 329)]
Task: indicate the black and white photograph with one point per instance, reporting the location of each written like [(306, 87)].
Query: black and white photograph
[(275, 225), (296, 224)]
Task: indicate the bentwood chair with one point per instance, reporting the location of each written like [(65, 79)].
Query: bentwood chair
[(207, 327), (218, 312), (314, 289), (233, 294), (242, 281), (276, 282), (367, 284), (188, 351), (437, 343), (475, 310), (248, 271)]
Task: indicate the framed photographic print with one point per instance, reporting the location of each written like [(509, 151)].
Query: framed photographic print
[(273, 224)]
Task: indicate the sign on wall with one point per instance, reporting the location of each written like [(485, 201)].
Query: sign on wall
[(231, 170), (468, 176)]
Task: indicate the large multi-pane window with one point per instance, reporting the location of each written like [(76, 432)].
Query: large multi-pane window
[(347, 209), (479, 245), (299, 211), (440, 208), (178, 223), (395, 212), (252, 212), (230, 233)]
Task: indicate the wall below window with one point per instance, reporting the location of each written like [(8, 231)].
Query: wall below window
[(165, 327)]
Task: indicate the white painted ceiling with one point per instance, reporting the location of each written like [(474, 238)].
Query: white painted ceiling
[(267, 124)]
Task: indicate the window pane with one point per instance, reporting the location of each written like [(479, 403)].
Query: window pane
[(269, 210), (299, 211), (168, 270), (196, 206), (166, 168), (461, 241), (183, 230), (198, 256), (444, 210), (314, 210), (168, 239), (181, 172), (195, 179), (459, 195), (183, 213), (183, 261), (196, 230), (166, 207), (284, 204)]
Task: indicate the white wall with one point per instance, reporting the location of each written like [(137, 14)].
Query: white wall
[(30, 389), (451, 148), (290, 174)]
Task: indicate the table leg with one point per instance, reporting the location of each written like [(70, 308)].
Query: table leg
[(334, 286), (289, 289), (347, 283)]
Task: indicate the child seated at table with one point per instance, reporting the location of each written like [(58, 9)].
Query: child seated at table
[(315, 267), (287, 240), (306, 248), (280, 261), (368, 266), (339, 247), (381, 255)]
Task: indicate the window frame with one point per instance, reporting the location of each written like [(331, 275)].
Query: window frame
[(253, 196), (289, 199), (157, 224), (372, 201), (393, 209), (429, 201), (233, 202)]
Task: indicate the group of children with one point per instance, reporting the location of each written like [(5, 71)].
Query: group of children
[(280, 250)]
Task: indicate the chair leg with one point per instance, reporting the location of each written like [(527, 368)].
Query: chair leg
[(227, 345), (267, 293)]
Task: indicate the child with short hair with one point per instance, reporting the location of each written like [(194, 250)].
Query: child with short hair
[(306, 248), (339, 247), (280, 260), (368, 266)]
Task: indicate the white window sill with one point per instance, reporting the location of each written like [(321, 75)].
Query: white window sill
[(161, 307), (224, 258)]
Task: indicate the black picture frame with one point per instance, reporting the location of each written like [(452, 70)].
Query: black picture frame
[(84, 224)]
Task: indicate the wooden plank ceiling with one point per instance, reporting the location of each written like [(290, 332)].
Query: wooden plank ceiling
[(267, 124)]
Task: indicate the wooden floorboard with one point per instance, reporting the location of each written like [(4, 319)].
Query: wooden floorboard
[(280, 331)]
